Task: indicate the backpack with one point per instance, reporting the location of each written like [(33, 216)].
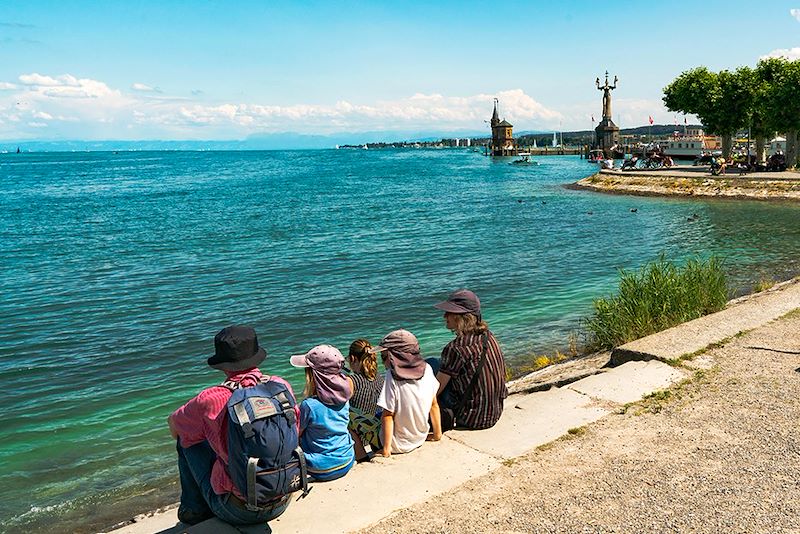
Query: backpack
[(265, 461)]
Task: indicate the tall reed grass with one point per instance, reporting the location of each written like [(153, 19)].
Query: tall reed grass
[(656, 297)]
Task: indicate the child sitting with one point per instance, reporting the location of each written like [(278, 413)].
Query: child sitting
[(324, 437), (408, 396), (365, 422)]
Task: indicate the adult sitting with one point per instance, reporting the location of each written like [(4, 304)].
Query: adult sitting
[(200, 426), (472, 371)]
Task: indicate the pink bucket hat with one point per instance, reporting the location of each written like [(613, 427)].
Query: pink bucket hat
[(326, 364)]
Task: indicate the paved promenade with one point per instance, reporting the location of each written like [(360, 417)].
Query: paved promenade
[(471, 467)]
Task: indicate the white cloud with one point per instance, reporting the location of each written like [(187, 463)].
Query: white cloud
[(795, 13), (5, 86), (142, 87), (789, 53), (418, 110), (65, 86), (38, 79), (92, 109)]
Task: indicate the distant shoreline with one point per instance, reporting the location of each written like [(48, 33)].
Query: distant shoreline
[(695, 182)]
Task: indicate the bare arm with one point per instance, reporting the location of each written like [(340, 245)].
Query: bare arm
[(387, 430), (436, 422), (443, 381)]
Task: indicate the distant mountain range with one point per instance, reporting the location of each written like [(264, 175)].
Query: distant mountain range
[(270, 141), (296, 141)]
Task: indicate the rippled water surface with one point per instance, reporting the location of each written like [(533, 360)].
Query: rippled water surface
[(118, 269)]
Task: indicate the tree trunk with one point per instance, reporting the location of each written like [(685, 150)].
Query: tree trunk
[(791, 148), (760, 147), (727, 145)]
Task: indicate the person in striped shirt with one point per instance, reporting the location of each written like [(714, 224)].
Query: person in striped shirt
[(461, 363)]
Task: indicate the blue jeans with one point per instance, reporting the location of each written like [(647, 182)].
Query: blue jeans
[(445, 398), (197, 495)]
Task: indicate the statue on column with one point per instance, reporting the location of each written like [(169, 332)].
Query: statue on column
[(606, 95)]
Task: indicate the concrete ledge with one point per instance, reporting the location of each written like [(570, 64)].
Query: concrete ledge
[(532, 420), (560, 374), (371, 491), (629, 382), (688, 338)]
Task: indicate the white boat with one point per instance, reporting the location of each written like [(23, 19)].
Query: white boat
[(689, 145)]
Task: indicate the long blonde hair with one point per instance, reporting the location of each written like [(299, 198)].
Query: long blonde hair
[(311, 385), (468, 323), (360, 352)]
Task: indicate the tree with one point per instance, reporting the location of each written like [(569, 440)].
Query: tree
[(782, 100), (689, 92), (723, 101)]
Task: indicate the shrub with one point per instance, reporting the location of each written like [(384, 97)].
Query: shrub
[(656, 297)]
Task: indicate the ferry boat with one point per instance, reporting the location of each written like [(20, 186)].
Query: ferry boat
[(689, 145)]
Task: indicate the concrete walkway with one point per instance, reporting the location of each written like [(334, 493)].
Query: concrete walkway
[(529, 420)]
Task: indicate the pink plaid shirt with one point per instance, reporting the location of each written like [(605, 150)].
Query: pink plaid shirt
[(203, 419)]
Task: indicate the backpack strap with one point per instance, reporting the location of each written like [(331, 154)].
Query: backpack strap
[(233, 385), (244, 419), (252, 495), (301, 457)]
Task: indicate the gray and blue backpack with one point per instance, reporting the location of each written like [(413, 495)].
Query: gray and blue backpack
[(265, 461)]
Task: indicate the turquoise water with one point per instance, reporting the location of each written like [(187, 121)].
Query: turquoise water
[(118, 269)]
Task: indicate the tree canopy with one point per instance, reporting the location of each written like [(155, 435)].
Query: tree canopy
[(781, 93), (766, 98), (723, 101)]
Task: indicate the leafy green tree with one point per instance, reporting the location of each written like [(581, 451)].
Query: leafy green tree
[(781, 100), (689, 92), (723, 101)]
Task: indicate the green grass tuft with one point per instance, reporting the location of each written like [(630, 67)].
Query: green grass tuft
[(658, 296), (763, 284)]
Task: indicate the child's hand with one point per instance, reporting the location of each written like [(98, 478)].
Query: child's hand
[(386, 453), (433, 437)]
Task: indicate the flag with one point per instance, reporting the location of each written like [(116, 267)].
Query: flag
[(651, 120)]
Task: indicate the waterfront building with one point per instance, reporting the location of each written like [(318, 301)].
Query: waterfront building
[(502, 136), (606, 133)]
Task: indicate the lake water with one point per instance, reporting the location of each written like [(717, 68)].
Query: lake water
[(117, 269)]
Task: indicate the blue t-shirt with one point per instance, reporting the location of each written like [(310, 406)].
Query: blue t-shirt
[(325, 439)]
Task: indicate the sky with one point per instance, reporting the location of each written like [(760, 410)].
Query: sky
[(208, 70)]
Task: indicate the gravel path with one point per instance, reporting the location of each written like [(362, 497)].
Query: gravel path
[(719, 454)]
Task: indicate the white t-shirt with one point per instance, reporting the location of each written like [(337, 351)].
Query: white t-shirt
[(410, 401)]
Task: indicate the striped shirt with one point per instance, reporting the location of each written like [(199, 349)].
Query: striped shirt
[(366, 393), (460, 360)]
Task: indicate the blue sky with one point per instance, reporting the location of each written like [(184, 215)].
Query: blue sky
[(226, 70)]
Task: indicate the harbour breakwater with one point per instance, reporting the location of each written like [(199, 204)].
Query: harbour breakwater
[(695, 182)]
